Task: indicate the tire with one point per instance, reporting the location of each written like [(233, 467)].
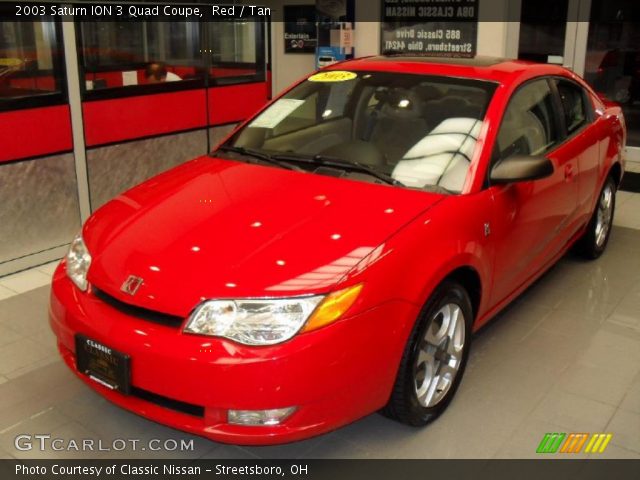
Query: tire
[(594, 241), (416, 400)]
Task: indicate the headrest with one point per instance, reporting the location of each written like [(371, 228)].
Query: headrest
[(402, 103)]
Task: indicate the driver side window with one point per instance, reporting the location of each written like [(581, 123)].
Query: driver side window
[(529, 125)]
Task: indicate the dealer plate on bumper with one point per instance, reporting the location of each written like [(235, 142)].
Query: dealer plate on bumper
[(103, 364)]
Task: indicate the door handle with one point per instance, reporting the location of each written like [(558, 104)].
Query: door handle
[(569, 173)]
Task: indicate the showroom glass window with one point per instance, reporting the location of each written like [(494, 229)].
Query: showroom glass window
[(31, 64), (135, 57), (141, 56), (529, 125), (236, 51)]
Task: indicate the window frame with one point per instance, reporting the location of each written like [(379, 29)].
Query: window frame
[(557, 113), (586, 102), (50, 99)]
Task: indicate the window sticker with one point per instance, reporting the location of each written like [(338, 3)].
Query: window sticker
[(10, 62), (333, 76), (276, 113)]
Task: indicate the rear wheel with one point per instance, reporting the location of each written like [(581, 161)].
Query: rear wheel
[(434, 359), (596, 238)]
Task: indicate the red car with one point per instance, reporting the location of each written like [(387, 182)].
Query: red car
[(334, 256)]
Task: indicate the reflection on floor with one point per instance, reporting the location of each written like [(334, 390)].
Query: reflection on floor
[(564, 358)]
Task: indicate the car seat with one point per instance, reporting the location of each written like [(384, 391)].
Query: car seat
[(442, 157)]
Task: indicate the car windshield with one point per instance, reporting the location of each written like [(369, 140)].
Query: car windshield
[(407, 130)]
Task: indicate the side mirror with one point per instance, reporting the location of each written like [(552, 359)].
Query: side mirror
[(520, 168)]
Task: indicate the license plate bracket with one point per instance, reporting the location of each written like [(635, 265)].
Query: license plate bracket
[(103, 364)]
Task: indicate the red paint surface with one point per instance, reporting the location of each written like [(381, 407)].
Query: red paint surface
[(277, 376), (35, 131), (120, 119), (263, 231), (235, 103)]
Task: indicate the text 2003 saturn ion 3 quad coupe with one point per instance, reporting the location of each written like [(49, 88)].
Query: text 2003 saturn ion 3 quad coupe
[(335, 254)]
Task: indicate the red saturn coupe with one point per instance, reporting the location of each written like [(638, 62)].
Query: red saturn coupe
[(334, 256)]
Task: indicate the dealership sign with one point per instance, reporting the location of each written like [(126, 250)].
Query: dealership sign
[(447, 28), (300, 34)]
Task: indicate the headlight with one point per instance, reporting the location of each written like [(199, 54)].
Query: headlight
[(78, 262), (252, 322), (269, 321)]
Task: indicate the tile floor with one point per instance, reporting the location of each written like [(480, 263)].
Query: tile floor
[(565, 357)]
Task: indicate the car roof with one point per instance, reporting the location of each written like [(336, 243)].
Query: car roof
[(480, 67)]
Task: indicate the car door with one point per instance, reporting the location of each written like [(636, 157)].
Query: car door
[(532, 219), (582, 142)]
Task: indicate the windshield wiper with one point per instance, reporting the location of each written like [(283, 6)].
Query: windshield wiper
[(265, 157), (327, 161)]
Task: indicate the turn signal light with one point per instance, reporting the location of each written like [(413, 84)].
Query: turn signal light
[(332, 308)]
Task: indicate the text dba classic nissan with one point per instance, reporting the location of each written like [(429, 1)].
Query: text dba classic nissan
[(335, 254)]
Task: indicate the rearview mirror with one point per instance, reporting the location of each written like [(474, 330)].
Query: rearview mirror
[(520, 168)]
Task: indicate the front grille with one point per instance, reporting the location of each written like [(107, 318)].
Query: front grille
[(138, 312), (170, 403)]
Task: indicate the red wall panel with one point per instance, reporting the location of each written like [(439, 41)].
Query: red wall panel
[(34, 131), (235, 103), (109, 121), (216, 72)]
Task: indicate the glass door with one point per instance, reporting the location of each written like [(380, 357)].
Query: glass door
[(551, 31), (597, 39), (612, 61), (543, 30)]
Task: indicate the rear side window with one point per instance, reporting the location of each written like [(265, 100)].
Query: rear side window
[(574, 105), (529, 126)]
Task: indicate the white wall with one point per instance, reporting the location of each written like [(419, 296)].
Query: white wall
[(367, 38), (492, 35)]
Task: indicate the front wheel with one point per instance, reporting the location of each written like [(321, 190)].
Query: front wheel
[(596, 238), (434, 359)]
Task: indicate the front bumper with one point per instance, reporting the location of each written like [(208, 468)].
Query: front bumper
[(334, 375)]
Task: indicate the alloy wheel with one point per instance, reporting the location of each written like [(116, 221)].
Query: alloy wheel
[(604, 215), (440, 355)]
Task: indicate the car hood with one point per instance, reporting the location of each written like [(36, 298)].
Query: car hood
[(214, 228)]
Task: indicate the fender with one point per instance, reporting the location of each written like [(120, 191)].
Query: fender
[(449, 236)]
